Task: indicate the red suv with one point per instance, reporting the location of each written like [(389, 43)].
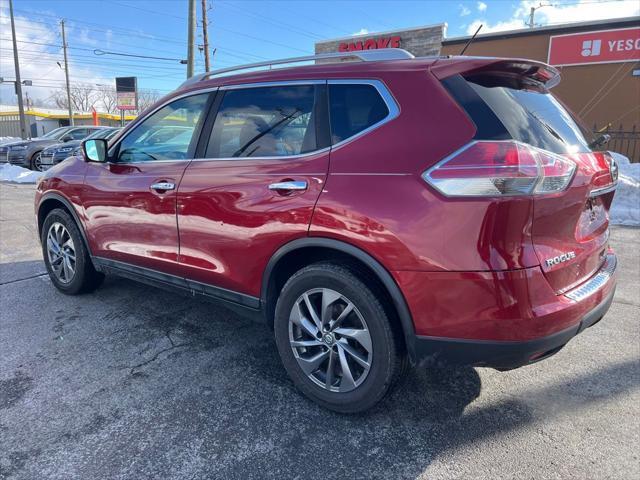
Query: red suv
[(375, 213)]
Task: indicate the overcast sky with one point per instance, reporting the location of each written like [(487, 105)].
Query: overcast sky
[(241, 31)]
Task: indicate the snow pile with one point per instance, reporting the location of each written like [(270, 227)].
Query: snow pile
[(625, 209), (15, 174), (5, 140)]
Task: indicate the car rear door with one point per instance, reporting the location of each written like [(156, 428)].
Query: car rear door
[(264, 162), (130, 201)]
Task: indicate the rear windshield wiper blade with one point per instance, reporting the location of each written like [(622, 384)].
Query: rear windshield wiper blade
[(600, 141)]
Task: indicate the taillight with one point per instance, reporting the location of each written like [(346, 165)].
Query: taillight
[(502, 168)]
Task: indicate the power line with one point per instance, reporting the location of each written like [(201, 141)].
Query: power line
[(220, 47), (278, 23), (165, 14)]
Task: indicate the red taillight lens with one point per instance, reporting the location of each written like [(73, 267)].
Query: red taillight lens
[(600, 166), (504, 168)]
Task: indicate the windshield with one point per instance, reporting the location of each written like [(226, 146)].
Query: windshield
[(102, 133), (56, 133)]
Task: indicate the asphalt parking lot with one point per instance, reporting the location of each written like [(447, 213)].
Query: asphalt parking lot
[(133, 382)]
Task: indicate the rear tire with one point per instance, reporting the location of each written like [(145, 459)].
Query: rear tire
[(66, 256), (350, 363)]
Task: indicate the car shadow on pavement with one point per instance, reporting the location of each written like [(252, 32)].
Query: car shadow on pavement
[(162, 385), (429, 414), (18, 271)]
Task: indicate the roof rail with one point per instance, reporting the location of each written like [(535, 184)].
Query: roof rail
[(364, 55)]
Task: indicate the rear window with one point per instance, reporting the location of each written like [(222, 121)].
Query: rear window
[(502, 110), (354, 108)]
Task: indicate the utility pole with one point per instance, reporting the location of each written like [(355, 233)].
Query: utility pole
[(191, 38), (205, 35), (66, 72), (18, 82), (532, 13)]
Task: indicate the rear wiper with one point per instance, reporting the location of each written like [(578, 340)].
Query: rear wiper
[(600, 141)]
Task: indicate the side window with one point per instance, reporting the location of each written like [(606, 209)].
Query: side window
[(168, 134), (354, 108), (265, 122), (79, 133)]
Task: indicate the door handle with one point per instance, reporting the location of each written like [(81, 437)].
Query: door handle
[(289, 185), (163, 186)]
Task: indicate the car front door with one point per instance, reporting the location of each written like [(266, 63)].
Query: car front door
[(265, 161), (130, 201)]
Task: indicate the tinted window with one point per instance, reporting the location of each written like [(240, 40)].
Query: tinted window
[(79, 133), (168, 134), (354, 108), (101, 133), (56, 133), (533, 116), (265, 122)]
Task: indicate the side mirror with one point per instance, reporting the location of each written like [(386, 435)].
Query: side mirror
[(95, 150)]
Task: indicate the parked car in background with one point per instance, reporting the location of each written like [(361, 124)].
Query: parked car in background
[(6, 140), (26, 153), (56, 153), (373, 214)]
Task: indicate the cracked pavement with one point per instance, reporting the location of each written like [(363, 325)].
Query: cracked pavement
[(131, 382)]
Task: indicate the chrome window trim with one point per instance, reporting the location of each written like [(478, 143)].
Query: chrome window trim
[(272, 157), (275, 83), (596, 282), (380, 86), (387, 97)]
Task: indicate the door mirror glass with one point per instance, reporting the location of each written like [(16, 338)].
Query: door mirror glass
[(95, 150)]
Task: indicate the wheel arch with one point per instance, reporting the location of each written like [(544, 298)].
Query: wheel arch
[(298, 253), (51, 201)]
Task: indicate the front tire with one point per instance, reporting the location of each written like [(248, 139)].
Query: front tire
[(335, 339), (36, 162), (65, 255)]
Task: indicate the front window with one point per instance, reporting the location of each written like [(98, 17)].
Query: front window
[(265, 122), (167, 134)]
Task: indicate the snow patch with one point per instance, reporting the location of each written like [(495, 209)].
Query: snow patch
[(15, 174), (625, 209)]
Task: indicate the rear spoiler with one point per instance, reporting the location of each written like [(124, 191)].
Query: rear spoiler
[(538, 72)]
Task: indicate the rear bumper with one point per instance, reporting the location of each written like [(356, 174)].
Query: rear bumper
[(503, 320), (503, 355)]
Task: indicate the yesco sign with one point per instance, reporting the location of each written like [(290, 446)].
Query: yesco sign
[(370, 44), (604, 46)]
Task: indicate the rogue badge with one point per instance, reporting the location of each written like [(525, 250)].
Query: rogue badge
[(565, 257)]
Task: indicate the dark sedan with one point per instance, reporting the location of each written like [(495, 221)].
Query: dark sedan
[(26, 153), (56, 153)]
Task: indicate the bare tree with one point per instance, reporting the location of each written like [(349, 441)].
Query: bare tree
[(146, 98), (107, 96), (83, 97)]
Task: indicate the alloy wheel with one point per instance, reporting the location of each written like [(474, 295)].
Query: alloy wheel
[(37, 163), (330, 340), (61, 252)]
